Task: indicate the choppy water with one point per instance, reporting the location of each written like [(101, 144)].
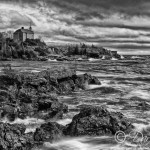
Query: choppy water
[(130, 86)]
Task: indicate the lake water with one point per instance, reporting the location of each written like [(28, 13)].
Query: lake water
[(127, 90)]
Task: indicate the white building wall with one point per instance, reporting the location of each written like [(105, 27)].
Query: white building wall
[(30, 36)]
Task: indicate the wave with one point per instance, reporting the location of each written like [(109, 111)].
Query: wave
[(135, 57), (64, 121), (103, 57), (88, 143), (82, 143), (27, 121), (31, 123), (114, 58), (52, 60), (93, 59), (35, 71), (143, 94), (122, 57)]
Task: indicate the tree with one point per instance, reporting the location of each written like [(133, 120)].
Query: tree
[(76, 51), (10, 34), (69, 50), (93, 46), (83, 46)]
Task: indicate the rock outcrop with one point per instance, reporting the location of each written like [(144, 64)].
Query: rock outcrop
[(50, 131), (30, 94), (13, 137), (91, 121), (94, 121)]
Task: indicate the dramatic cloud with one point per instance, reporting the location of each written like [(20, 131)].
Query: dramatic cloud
[(122, 25)]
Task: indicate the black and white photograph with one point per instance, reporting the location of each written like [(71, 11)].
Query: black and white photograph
[(74, 74)]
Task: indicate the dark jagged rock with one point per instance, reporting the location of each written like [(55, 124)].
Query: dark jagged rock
[(29, 94), (50, 131), (97, 121), (25, 110), (106, 90), (15, 111), (54, 108), (4, 95), (12, 137), (8, 111), (144, 106), (81, 79)]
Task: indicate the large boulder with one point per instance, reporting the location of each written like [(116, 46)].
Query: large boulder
[(54, 109), (26, 110), (12, 137), (9, 111), (82, 79), (96, 121), (50, 131)]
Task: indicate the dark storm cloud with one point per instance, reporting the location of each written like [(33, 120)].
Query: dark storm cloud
[(128, 7), (112, 23)]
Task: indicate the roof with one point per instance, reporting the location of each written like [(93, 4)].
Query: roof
[(24, 31)]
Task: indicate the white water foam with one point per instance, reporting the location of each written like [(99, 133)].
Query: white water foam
[(64, 121), (35, 71), (140, 127), (103, 57), (26, 121), (139, 93), (92, 86), (84, 144), (72, 144), (135, 57), (77, 144), (79, 59), (104, 83), (80, 72), (31, 123), (52, 60), (93, 59), (122, 57), (114, 58)]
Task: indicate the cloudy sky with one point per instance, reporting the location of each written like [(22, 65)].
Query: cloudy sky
[(122, 25)]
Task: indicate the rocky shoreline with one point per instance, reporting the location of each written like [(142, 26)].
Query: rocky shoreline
[(26, 94), (36, 50)]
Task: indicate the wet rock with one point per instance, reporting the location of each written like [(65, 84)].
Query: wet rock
[(136, 98), (106, 90), (25, 110), (6, 80), (94, 80), (58, 109), (66, 86), (29, 94), (81, 80), (50, 131), (144, 105), (9, 111), (57, 79), (25, 96), (4, 95), (54, 109), (37, 82), (12, 137), (96, 121)]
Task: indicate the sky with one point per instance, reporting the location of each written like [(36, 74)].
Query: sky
[(122, 25)]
